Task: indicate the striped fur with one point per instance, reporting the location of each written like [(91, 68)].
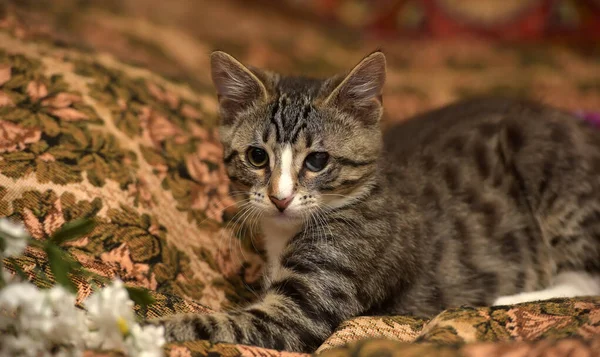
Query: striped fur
[(460, 206)]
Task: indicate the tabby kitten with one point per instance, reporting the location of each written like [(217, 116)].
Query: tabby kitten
[(482, 202)]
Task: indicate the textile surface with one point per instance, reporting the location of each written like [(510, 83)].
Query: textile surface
[(107, 111)]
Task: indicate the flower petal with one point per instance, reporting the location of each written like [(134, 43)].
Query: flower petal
[(4, 73), (14, 137), (190, 112), (61, 100), (5, 100), (54, 218), (37, 90), (34, 226), (68, 114)]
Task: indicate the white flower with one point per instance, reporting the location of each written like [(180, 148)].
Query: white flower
[(69, 322), (39, 320), (21, 345), (35, 322), (12, 228), (112, 324), (145, 341), (110, 317), (15, 237), (7, 276), (26, 299), (17, 294)]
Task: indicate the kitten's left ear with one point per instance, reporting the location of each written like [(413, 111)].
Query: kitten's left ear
[(360, 91), (238, 88)]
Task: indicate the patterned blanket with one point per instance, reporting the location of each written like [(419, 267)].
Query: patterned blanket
[(91, 127)]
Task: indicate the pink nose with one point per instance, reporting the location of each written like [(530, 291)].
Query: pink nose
[(281, 204)]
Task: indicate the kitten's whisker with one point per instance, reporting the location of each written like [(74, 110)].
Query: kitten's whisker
[(230, 231), (239, 233), (260, 212), (233, 219), (307, 219), (247, 231), (237, 192), (223, 209), (319, 231), (325, 225), (322, 216), (229, 236), (251, 224), (255, 227), (244, 210)]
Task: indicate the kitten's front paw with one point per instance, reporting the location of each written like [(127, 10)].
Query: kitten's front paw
[(187, 327)]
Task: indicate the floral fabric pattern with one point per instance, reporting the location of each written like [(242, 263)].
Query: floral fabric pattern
[(86, 134), (157, 155)]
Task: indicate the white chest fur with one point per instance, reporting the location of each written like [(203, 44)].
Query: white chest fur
[(277, 233)]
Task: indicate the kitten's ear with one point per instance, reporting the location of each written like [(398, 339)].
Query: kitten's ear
[(237, 87), (360, 91)]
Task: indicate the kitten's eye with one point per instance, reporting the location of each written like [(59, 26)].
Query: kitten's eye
[(316, 161), (257, 157)]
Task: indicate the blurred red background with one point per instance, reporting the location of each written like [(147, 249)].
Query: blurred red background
[(438, 51), (523, 20)]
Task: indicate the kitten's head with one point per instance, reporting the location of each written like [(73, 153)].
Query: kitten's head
[(297, 146)]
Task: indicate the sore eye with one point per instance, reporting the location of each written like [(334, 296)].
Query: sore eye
[(257, 157), (316, 161)]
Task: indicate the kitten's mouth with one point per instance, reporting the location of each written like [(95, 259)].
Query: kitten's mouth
[(284, 216)]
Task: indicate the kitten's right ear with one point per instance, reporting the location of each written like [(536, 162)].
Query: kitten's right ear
[(360, 91), (237, 87)]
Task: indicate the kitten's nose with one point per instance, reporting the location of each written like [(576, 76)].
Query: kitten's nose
[(281, 204)]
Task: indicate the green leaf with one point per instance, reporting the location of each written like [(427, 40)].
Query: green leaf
[(48, 124), (37, 244), (73, 230), (57, 172), (140, 296), (40, 275), (60, 265), (89, 276)]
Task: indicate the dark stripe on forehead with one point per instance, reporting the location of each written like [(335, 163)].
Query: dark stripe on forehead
[(291, 117), (301, 121), (296, 132), (266, 133), (309, 138), (306, 110), (275, 117)]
